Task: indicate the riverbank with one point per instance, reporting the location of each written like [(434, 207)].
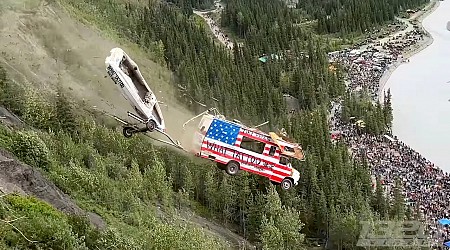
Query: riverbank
[(391, 158), (420, 94), (413, 50)]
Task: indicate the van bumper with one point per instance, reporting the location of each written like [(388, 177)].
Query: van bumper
[(295, 176)]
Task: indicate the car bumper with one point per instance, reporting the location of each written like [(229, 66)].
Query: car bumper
[(295, 176)]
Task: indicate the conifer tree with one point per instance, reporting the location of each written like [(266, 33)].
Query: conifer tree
[(397, 210), (188, 181), (387, 108), (270, 236), (64, 119), (157, 184), (380, 204), (290, 225), (273, 203)]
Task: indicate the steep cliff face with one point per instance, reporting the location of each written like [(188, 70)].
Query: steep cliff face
[(17, 177)]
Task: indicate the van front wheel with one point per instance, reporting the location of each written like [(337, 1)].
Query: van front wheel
[(286, 184)]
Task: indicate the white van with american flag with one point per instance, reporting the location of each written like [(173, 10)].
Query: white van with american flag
[(236, 147)]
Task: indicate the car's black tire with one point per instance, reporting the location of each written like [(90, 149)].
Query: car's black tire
[(151, 125), (286, 184), (232, 168), (128, 132)]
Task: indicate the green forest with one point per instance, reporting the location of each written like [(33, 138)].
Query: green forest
[(347, 16), (343, 17), (125, 180)]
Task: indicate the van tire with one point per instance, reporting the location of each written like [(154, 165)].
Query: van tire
[(287, 184), (232, 168)]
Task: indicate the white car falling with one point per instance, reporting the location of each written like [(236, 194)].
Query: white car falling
[(125, 73)]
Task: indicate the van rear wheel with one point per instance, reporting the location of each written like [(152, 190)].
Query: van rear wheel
[(232, 168)]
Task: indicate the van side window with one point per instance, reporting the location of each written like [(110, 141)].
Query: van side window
[(272, 150), (284, 160), (252, 145)]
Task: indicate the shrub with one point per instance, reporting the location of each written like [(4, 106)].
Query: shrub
[(29, 147), (11, 94), (5, 137), (82, 228), (44, 227)]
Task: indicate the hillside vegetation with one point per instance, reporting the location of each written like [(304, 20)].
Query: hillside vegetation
[(139, 189), (101, 170), (344, 17), (347, 16)]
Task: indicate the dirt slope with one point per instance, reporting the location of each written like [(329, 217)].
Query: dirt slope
[(17, 177), (41, 45)]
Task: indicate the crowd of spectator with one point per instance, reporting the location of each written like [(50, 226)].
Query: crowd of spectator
[(218, 32), (366, 64), (424, 185)]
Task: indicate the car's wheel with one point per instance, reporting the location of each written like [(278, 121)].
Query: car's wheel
[(128, 132), (286, 184), (151, 125), (232, 168)]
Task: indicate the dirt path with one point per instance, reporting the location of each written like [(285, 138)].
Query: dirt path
[(416, 17), (409, 27), (217, 32)]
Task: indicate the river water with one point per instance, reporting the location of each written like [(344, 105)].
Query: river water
[(421, 94)]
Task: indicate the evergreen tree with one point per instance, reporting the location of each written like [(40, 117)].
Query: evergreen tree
[(380, 204), (158, 186), (290, 225), (387, 109), (270, 237), (64, 119), (398, 204), (273, 203)]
